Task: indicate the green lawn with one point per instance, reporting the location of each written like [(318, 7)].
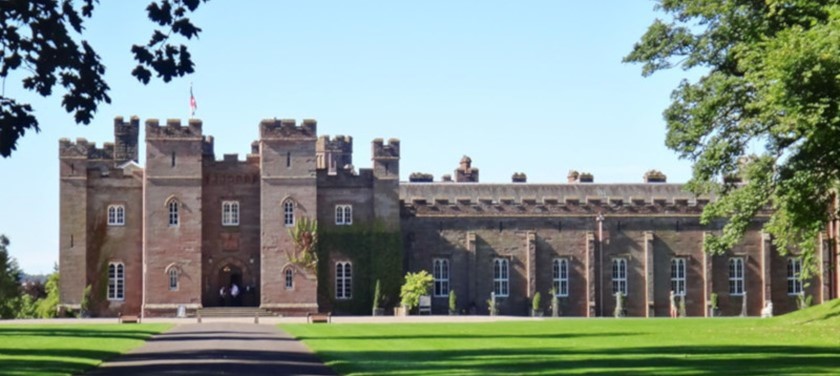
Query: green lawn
[(66, 349), (804, 343)]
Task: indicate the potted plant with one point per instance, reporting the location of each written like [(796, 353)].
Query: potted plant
[(681, 309), (492, 305), (416, 285), (377, 297), (453, 303), (714, 310), (555, 303), (84, 307), (619, 305), (536, 311)]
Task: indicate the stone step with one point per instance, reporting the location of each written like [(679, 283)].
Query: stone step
[(235, 312)]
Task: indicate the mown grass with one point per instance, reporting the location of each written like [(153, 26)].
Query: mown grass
[(804, 343), (66, 349)]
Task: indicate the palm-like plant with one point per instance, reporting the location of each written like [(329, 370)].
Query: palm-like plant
[(305, 237)]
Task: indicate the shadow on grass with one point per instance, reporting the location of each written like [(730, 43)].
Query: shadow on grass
[(492, 336), (702, 360), (81, 332)]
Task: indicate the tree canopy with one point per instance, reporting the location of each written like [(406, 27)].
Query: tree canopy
[(765, 109), (9, 281), (45, 39)]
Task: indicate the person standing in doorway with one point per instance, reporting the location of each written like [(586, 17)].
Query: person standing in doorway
[(234, 293)]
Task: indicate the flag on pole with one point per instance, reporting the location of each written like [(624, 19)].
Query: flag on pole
[(193, 106)]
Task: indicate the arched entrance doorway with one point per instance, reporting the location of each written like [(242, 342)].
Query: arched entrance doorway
[(233, 284)]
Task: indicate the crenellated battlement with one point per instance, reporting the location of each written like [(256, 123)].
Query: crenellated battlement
[(207, 146), (83, 149), (383, 150), (288, 129), (173, 129), (339, 144), (125, 139)]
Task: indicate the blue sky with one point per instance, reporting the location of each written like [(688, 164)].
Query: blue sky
[(533, 86)]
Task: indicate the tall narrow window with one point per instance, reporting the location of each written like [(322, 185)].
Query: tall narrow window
[(288, 159), (288, 213), (116, 215), (116, 281), (173, 279), (230, 213), (501, 279), (794, 280), (174, 217), (173, 159), (344, 215), (343, 280), (619, 276), (736, 276), (290, 278), (561, 276), (440, 272), (678, 276)]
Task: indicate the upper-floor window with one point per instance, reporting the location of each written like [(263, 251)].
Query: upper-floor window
[(288, 213), (230, 213), (560, 273), (289, 276), (440, 272), (116, 281), (794, 279), (173, 279), (678, 276), (116, 215), (501, 277), (344, 214), (619, 276), (736, 276), (174, 216), (343, 280)]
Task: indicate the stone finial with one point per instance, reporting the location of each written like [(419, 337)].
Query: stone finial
[(579, 177), (655, 176), (421, 177), (519, 177)]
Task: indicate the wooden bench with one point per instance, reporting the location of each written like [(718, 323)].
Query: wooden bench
[(323, 318), (129, 319)]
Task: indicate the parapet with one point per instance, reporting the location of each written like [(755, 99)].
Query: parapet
[(579, 177), (84, 149), (519, 177), (287, 129), (340, 144), (383, 150), (207, 147), (173, 129), (421, 177), (125, 139)]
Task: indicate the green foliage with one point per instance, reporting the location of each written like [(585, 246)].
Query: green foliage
[(305, 238), (453, 301), (681, 309), (535, 303), (377, 295), (619, 305), (765, 109), (804, 301), (555, 302), (492, 305), (415, 286), (43, 40), (86, 301), (713, 301), (48, 306), (27, 307), (376, 254), (9, 281)]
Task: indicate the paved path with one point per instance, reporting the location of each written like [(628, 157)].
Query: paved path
[(217, 349)]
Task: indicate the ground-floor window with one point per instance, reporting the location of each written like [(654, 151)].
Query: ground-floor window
[(116, 281), (794, 280), (290, 278), (440, 272), (619, 276), (343, 280), (736, 276), (501, 277), (561, 276), (678, 276)]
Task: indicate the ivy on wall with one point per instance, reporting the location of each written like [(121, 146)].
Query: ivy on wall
[(376, 253)]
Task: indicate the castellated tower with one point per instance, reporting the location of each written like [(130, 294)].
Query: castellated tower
[(172, 237), (100, 222), (125, 139), (386, 182), (288, 193)]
